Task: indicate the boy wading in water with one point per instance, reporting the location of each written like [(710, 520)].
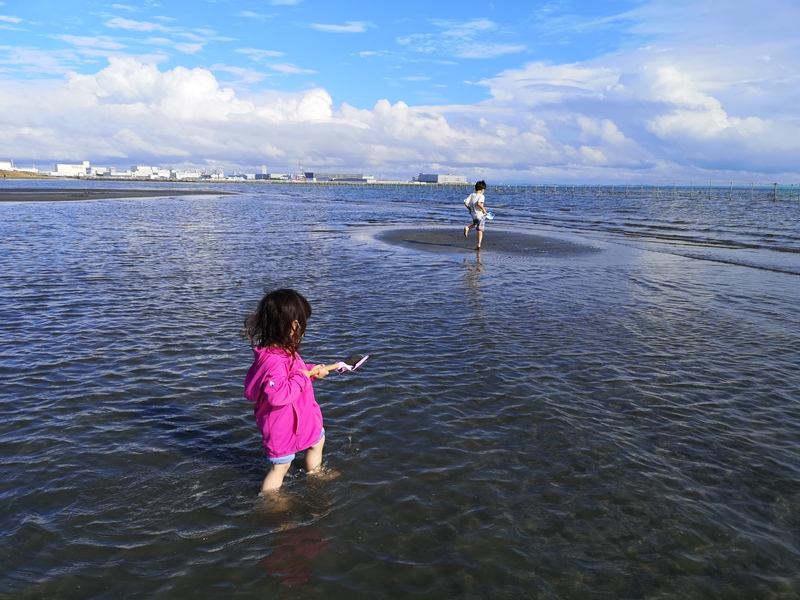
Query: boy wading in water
[(474, 203)]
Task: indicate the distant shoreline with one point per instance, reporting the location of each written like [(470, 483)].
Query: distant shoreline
[(78, 194), (771, 191)]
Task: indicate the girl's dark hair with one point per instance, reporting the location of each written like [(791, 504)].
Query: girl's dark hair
[(271, 323)]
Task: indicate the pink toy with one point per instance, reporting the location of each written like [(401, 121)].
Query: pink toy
[(351, 364)]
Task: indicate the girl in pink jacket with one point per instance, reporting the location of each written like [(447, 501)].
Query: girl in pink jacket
[(279, 383)]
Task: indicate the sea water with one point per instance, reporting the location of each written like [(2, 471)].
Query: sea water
[(603, 403)]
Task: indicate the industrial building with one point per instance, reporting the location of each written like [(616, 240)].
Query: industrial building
[(65, 170), (337, 177), (436, 178)]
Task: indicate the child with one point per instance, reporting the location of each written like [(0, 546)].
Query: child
[(474, 203), (279, 383)]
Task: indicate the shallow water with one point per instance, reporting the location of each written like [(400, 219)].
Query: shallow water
[(603, 404)]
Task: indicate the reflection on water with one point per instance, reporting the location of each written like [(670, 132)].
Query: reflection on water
[(569, 413)]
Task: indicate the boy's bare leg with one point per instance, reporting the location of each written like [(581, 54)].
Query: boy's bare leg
[(274, 478), (480, 238)]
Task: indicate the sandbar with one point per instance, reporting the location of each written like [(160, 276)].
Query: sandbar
[(22, 194), (506, 242)]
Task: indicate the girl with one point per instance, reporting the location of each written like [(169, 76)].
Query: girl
[(279, 383)]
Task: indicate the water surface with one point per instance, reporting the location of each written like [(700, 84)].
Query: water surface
[(602, 404)]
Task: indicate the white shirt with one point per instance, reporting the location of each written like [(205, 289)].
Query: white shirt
[(473, 202)]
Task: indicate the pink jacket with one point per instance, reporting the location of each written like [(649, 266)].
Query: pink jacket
[(289, 418)]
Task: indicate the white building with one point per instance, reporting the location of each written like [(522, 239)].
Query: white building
[(8, 165), (108, 172), (145, 172), (184, 174), (436, 178), (65, 170)]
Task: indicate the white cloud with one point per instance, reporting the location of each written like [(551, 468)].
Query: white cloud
[(538, 83), (188, 48), (158, 41), (488, 50), (120, 23), (290, 69), (571, 121), (459, 38), (244, 77), (258, 54), (249, 14), (350, 27), (8, 19), (130, 108), (31, 60), (672, 106), (100, 42)]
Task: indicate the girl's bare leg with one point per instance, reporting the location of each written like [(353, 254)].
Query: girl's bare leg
[(314, 457), (314, 463), (274, 478)]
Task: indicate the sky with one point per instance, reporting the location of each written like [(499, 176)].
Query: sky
[(524, 91)]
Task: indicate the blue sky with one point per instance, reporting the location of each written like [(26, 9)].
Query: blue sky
[(649, 91)]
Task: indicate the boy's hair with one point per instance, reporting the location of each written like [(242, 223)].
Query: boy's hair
[(271, 323), (480, 185)]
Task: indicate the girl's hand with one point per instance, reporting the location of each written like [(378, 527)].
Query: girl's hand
[(318, 372)]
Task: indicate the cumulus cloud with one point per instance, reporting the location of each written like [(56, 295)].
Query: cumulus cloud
[(131, 109), (644, 118)]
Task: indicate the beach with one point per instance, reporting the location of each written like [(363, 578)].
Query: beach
[(601, 403)]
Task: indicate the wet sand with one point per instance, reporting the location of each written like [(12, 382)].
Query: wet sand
[(507, 242), (63, 194)]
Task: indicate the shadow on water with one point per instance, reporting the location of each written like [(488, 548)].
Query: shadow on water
[(193, 434)]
